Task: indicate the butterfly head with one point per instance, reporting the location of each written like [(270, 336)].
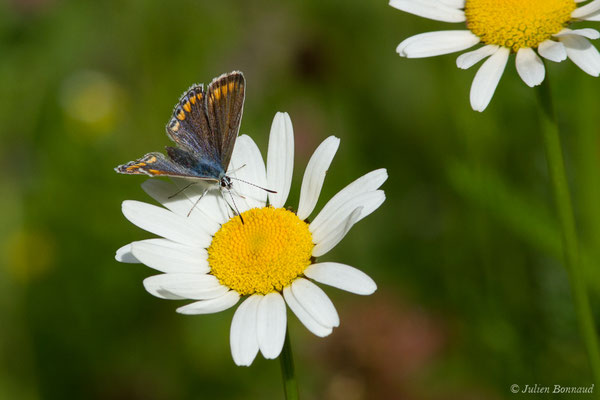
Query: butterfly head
[(226, 183)]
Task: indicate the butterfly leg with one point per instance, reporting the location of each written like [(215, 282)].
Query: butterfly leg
[(197, 201), (235, 208), (182, 189)]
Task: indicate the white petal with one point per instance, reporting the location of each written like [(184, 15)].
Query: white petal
[(467, 60), (582, 53), (487, 78), (307, 320), (280, 159), (247, 164), (530, 67), (164, 223), (431, 44), (314, 300), (185, 286), (431, 9), (167, 256), (342, 277), (314, 176), (124, 255), (211, 306), (337, 234), (152, 286), (242, 337), (586, 32), (593, 17), (210, 202), (368, 202), (366, 183), (271, 325), (587, 10), (454, 3), (180, 204), (553, 51)]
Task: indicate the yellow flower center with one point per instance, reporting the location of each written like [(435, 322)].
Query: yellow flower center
[(264, 254), (517, 23)]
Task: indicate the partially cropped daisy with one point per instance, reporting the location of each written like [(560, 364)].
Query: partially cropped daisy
[(504, 27), (267, 261)]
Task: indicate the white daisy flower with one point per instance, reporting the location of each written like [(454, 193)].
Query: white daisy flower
[(270, 259), (505, 27)]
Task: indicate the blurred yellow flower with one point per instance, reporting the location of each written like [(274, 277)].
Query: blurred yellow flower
[(29, 254)]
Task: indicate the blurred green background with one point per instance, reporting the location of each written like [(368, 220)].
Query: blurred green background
[(466, 250)]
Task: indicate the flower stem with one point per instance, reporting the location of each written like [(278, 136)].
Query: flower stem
[(556, 168), (290, 386)]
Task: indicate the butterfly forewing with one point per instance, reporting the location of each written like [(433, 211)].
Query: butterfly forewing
[(188, 126), (224, 106)]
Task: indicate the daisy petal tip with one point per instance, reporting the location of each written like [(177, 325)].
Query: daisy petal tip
[(326, 333), (184, 310), (369, 290), (125, 204), (240, 362), (125, 255), (478, 106), (151, 285)]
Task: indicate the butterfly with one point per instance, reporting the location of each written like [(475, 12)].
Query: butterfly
[(204, 126)]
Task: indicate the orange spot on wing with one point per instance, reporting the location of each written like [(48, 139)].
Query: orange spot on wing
[(135, 166), (187, 107), (181, 116)]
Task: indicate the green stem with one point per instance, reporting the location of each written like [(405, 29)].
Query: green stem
[(556, 167), (290, 386)]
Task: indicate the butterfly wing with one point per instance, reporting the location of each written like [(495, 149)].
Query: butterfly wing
[(189, 127), (204, 126), (156, 164), (224, 108)]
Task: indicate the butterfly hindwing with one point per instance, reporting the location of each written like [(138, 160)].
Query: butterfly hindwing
[(224, 106)]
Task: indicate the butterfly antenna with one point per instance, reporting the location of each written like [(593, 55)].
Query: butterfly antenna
[(252, 184), (235, 206), (181, 190), (236, 169), (197, 201)]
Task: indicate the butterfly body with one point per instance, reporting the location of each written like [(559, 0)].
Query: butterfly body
[(204, 126)]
